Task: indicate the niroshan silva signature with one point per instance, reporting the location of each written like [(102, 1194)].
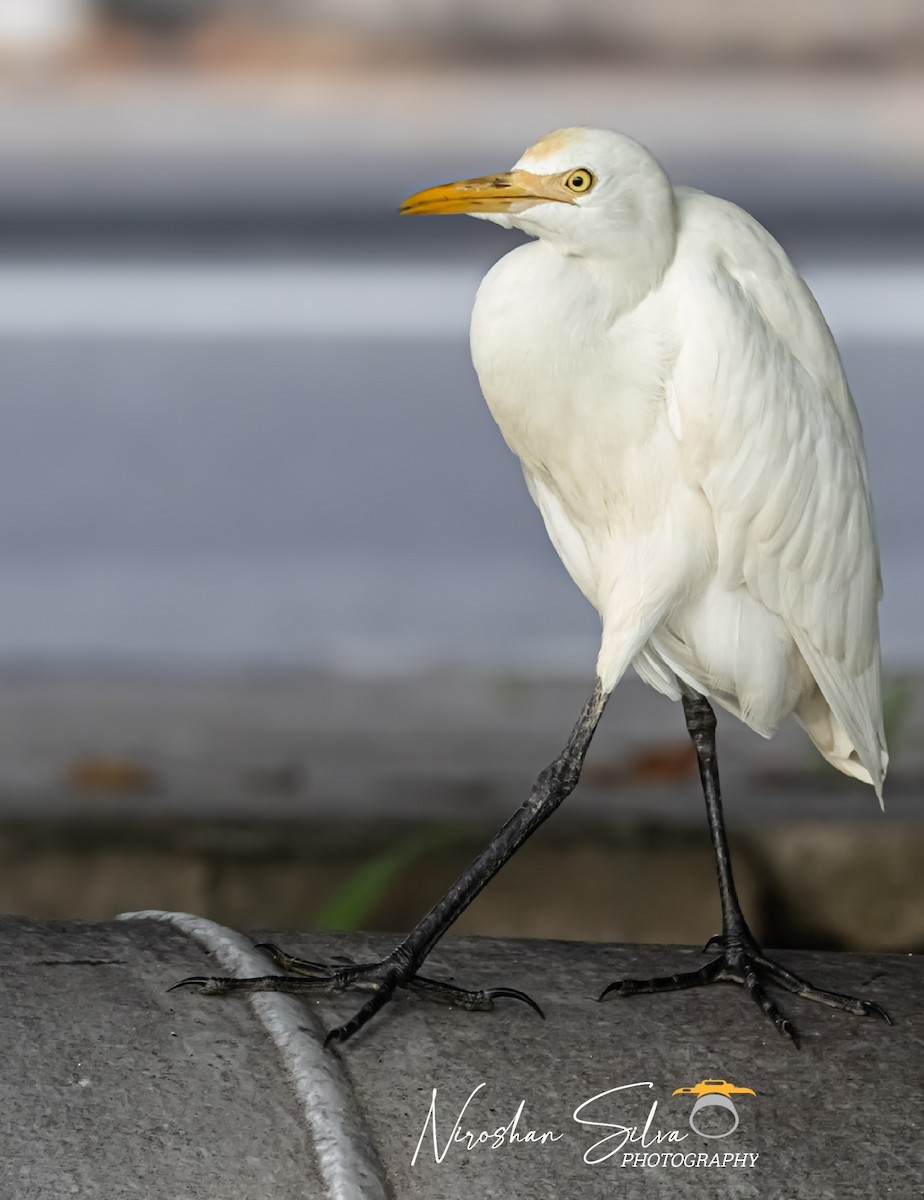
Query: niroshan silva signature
[(588, 1114)]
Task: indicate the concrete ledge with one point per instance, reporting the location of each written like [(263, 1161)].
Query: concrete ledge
[(813, 884), (113, 1087), (252, 799)]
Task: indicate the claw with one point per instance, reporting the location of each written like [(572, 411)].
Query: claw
[(513, 994), (220, 985), (192, 981), (376, 1001), (871, 1008), (714, 943)]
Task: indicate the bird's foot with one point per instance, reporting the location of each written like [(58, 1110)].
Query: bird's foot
[(304, 977), (743, 962)]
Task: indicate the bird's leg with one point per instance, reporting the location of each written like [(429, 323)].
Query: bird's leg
[(399, 969), (741, 959)]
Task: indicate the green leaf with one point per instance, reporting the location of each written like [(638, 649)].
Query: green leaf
[(350, 905)]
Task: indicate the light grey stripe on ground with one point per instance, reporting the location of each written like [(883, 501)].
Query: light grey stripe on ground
[(347, 1160)]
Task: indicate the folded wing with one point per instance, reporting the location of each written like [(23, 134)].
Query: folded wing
[(771, 435)]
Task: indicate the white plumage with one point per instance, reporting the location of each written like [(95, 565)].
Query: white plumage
[(684, 425)]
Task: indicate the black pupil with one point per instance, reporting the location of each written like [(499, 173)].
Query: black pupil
[(578, 181)]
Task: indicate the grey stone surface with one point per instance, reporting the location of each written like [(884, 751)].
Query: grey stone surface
[(106, 1095), (112, 1087)]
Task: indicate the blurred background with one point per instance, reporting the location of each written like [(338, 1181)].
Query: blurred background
[(282, 639)]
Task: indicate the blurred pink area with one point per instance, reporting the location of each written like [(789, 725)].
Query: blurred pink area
[(474, 81), (240, 33)]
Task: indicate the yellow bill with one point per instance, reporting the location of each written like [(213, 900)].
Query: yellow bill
[(508, 191)]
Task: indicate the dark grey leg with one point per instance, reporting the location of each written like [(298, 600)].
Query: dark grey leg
[(742, 960), (399, 969)]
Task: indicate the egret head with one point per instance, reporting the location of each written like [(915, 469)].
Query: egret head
[(587, 192)]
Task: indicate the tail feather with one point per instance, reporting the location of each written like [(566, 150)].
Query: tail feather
[(859, 751)]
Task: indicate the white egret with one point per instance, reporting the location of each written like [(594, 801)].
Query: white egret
[(683, 422)]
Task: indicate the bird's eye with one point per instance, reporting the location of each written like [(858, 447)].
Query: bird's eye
[(580, 180)]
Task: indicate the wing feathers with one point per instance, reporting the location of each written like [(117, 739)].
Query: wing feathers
[(773, 439)]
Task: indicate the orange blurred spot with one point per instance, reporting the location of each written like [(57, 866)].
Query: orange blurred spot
[(110, 775), (665, 763)]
